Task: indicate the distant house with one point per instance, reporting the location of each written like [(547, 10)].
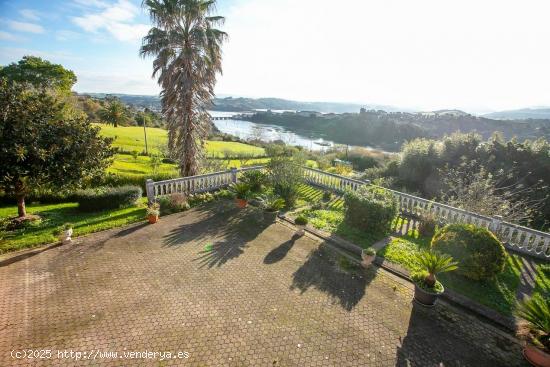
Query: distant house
[(309, 113)]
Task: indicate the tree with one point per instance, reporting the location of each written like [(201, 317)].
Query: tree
[(40, 73), (114, 112), (43, 148), (187, 50), (471, 187)]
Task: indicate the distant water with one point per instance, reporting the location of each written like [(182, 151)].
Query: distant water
[(251, 130), (265, 132)]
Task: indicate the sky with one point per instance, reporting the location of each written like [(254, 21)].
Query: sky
[(478, 56)]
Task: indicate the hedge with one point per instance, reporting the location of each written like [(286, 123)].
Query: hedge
[(107, 197), (370, 209)]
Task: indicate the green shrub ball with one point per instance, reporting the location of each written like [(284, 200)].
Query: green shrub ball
[(479, 253)]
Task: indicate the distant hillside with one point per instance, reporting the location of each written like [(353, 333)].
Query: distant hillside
[(241, 104), (524, 113)]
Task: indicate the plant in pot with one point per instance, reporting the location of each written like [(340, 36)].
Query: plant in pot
[(535, 329), (426, 287), (271, 204), (64, 233), (300, 223), (241, 191), (153, 212), (368, 255), (427, 224)]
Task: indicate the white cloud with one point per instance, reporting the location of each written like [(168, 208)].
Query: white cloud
[(6, 36), (30, 14), (427, 54), (117, 19), (25, 26), (11, 54), (66, 35)]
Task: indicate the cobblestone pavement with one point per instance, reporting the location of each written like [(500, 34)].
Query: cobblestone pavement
[(214, 283)]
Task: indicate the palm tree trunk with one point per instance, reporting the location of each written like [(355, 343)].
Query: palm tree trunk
[(430, 280)]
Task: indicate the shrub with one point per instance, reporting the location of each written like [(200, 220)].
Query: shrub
[(107, 198), (301, 220), (255, 179), (480, 254), (286, 176), (370, 209), (271, 203), (153, 209), (427, 224), (173, 203)]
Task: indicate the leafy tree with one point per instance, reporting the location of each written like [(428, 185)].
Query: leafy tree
[(41, 147), (114, 112), (187, 50), (40, 73)]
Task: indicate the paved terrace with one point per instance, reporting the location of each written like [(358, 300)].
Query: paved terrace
[(259, 297)]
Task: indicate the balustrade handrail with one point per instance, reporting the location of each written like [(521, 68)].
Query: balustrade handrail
[(520, 238)]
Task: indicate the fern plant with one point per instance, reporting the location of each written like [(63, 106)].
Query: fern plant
[(241, 190)]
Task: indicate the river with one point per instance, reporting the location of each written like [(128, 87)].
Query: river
[(251, 130)]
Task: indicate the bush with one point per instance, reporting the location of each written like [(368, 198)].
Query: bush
[(107, 198), (480, 254), (173, 203), (370, 209), (286, 176), (255, 179)]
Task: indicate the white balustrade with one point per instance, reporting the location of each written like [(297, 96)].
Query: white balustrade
[(515, 237)]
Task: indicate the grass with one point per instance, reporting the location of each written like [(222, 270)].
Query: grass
[(131, 138), (542, 279), (125, 164), (498, 294), (55, 215)]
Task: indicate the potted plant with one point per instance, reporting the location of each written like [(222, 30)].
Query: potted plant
[(368, 255), (535, 329), (153, 212), (271, 205), (300, 223), (426, 287), (241, 191), (64, 233), (427, 224)]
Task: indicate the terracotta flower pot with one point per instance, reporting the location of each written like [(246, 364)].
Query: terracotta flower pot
[(537, 357), (241, 203), (153, 218)]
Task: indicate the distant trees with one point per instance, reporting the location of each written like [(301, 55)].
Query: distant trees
[(187, 50), (42, 146), (496, 176)]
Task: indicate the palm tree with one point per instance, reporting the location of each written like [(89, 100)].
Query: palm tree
[(434, 263), (187, 50), (114, 113)]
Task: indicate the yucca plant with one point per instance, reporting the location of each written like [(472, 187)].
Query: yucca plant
[(536, 311), (434, 263), (241, 190)]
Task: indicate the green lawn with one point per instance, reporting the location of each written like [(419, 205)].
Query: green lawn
[(55, 215), (125, 164), (131, 138), (498, 294)]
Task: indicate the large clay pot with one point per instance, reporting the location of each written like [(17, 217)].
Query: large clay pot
[(241, 203), (424, 297), (537, 357), (301, 229), (153, 218)]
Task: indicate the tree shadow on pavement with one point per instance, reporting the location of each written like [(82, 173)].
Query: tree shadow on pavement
[(322, 272), (279, 252)]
